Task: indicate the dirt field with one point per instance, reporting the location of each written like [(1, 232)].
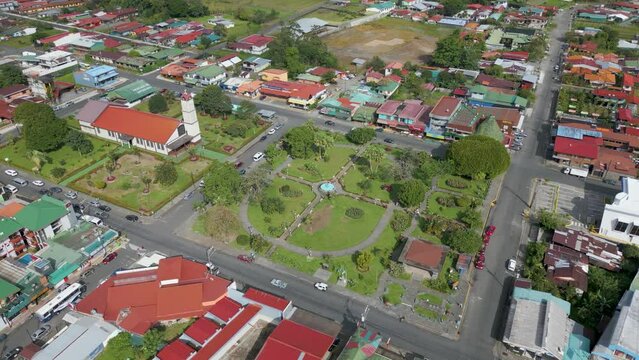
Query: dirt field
[(390, 39), (319, 220)]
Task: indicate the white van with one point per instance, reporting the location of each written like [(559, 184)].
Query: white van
[(258, 156), (92, 219)]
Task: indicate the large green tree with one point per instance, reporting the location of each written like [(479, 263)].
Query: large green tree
[(42, 130), (478, 156), (462, 241), (454, 51), (157, 104), (213, 101), (360, 136), (300, 141), (79, 142), (490, 128), (246, 110), (166, 173), (452, 7), (374, 153), (296, 53), (11, 75), (222, 184), (411, 193)]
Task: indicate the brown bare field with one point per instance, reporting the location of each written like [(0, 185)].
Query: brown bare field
[(389, 38), (319, 220)]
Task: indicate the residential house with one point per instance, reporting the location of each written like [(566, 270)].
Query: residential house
[(441, 113), (177, 70), (205, 75), (254, 64), (25, 226), (126, 28), (131, 94), (134, 63), (48, 65), (147, 131), (296, 93), (83, 339), (107, 57), (250, 89), (619, 339), (464, 122), (409, 115), (620, 220), (491, 81), (341, 108), (601, 253), (307, 78), (274, 74), (254, 44), (12, 92), (508, 119), (538, 325), (567, 267), (423, 259), (229, 61), (291, 339), (480, 95), (8, 5), (97, 77), (381, 7)]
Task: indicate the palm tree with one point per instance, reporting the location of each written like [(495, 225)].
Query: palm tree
[(374, 154), (114, 159), (110, 167), (147, 182), (323, 141)]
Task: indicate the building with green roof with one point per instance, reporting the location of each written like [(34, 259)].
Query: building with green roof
[(365, 114), (134, 63), (146, 50), (31, 286), (308, 78), (132, 93), (7, 290), (482, 96), (205, 75), (166, 54)]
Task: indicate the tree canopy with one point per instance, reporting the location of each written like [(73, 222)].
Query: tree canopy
[(157, 9), (456, 52), (11, 75), (463, 241), (360, 136), (300, 141), (376, 63), (79, 142), (490, 128), (166, 173), (452, 7), (411, 193), (223, 184), (42, 130), (297, 53), (157, 104), (478, 156), (213, 101)]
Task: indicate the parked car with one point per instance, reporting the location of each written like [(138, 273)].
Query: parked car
[(41, 332), (104, 208), (279, 283), (258, 156), (321, 286), (278, 126), (94, 203), (245, 258), (490, 230), (38, 182), (271, 132), (88, 273), (102, 214), (512, 265), (329, 122), (13, 353), (201, 183), (238, 164), (132, 218), (389, 140), (55, 190), (44, 192), (11, 172), (71, 195), (11, 188), (242, 171), (107, 259), (479, 265)]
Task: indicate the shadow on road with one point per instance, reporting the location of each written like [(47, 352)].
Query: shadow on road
[(497, 331)]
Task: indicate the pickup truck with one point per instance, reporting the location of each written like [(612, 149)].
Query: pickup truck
[(582, 173)]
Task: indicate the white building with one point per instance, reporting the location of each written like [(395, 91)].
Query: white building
[(50, 63), (151, 132), (620, 220), (84, 339)]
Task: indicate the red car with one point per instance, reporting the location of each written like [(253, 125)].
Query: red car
[(107, 259), (479, 265), (490, 230), (245, 258), (486, 239)]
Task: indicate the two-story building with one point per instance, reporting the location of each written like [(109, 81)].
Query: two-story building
[(47, 66), (409, 115), (620, 220), (97, 77), (205, 75), (254, 44), (441, 113), (298, 94)]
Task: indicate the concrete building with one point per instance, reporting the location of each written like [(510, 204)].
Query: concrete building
[(151, 132), (47, 66), (620, 220), (97, 77), (423, 259), (84, 339), (254, 44), (131, 94), (205, 75)]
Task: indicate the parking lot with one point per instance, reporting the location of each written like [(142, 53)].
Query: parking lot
[(585, 204)]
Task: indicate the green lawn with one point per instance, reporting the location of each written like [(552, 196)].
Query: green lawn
[(285, 8), (427, 313), (328, 228), (432, 97), (66, 78), (72, 161), (199, 227), (418, 233), (338, 16), (430, 298), (436, 209), (355, 176), (626, 31), (293, 207), (171, 332), (127, 189), (25, 41), (304, 168), (295, 261), (476, 188), (393, 294), (366, 283)]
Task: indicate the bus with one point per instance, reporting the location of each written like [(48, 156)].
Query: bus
[(60, 302)]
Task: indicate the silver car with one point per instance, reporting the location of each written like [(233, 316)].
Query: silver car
[(40, 332)]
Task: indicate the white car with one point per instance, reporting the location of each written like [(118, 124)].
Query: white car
[(512, 265), (271, 132), (11, 188), (258, 156), (321, 286), (38, 182), (11, 172), (201, 183)]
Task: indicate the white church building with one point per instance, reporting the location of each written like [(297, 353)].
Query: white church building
[(620, 220), (151, 132)]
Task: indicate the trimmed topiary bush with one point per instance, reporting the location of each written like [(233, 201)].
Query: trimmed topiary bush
[(354, 213), (243, 240), (457, 183)]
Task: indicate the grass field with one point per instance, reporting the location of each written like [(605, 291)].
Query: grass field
[(394, 293), (295, 261), (434, 208), (285, 8), (389, 38), (427, 313), (475, 188), (337, 157), (25, 41), (328, 227), (127, 189), (345, 13), (354, 176), (430, 298), (293, 206), (626, 31), (72, 161)]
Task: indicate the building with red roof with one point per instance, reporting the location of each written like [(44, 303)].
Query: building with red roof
[(177, 350), (130, 127), (423, 259), (127, 27), (293, 341), (298, 94), (599, 252), (409, 115), (440, 114), (88, 23), (515, 55), (137, 299), (254, 44), (202, 330)]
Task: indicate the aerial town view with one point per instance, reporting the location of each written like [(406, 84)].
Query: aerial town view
[(319, 179)]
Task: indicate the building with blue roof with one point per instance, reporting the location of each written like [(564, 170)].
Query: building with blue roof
[(576, 133), (97, 77), (538, 324)]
